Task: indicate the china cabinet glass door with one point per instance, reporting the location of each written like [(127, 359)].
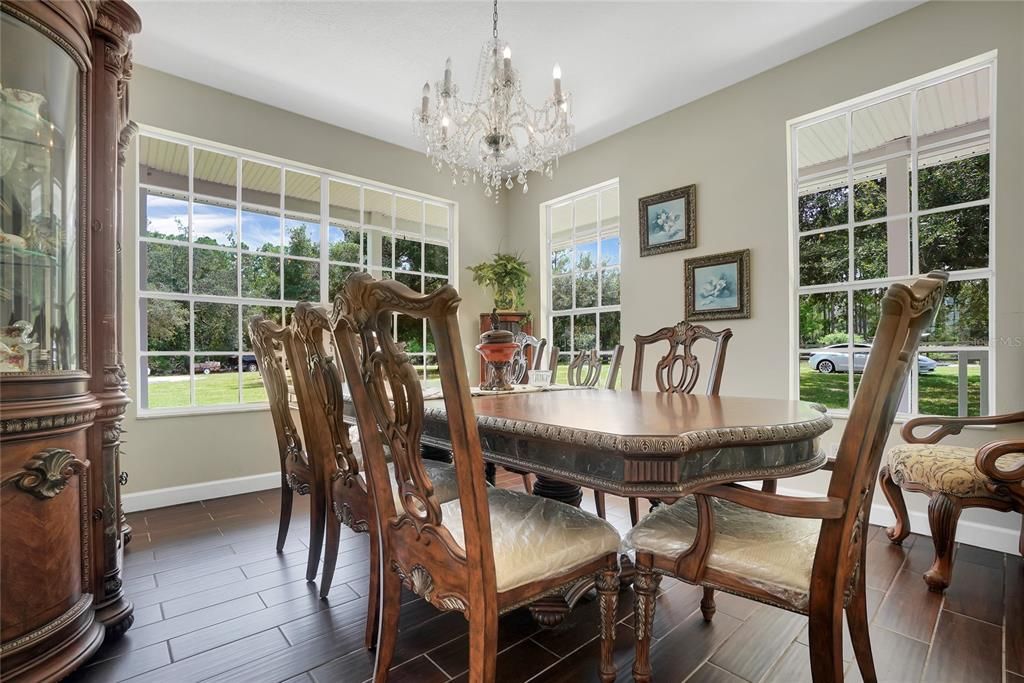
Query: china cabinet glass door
[(40, 203)]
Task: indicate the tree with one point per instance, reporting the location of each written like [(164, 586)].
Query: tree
[(947, 240)]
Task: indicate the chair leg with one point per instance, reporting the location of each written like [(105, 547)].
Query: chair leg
[(770, 485), (825, 631), (286, 514), (331, 548), (608, 589), (634, 511), (943, 514), (857, 620), (483, 645), (317, 521), (707, 604), (894, 494), (645, 591), (387, 637), (373, 598), (527, 482), (599, 504)]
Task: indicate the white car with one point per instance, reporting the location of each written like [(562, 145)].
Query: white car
[(836, 358)]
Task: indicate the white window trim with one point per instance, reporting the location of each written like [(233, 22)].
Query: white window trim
[(986, 60), (547, 279), (242, 155)]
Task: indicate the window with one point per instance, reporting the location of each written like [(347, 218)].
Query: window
[(583, 303), (225, 235), (885, 188)]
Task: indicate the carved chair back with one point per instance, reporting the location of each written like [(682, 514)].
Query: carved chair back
[(268, 342), (585, 368), (318, 391), (529, 347), (906, 312), (388, 398), (679, 369)]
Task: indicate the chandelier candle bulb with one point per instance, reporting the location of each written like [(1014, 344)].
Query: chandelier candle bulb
[(507, 54), (447, 78), (425, 106), (556, 73)]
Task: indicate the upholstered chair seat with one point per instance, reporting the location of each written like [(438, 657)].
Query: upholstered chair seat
[(536, 538), (442, 475), (945, 469), (770, 552), (953, 478)]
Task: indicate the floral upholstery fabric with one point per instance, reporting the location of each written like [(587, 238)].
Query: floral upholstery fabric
[(536, 538), (944, 469), (767, 551)]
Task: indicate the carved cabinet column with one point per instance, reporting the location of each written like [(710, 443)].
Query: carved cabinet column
[(64, 67), (111, 47)]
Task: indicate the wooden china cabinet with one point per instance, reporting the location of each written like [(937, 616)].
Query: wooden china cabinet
[(64, 70)]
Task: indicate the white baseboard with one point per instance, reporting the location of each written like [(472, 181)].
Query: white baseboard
[(1001, 539), (176, 495)]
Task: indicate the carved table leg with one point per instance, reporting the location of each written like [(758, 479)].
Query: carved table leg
[(551, 610), (557, 490), (435, 453)]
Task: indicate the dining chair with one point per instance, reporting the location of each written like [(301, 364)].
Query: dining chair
[(529, 348), (491, 550), (519, 373), (339, 489), (296, 476), (953, 478), (806, 555), (585, 368), (677, 372)]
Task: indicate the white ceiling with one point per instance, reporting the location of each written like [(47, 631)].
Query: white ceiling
[(361, 65)]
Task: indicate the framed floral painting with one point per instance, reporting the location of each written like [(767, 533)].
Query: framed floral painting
[(717, 287), (668, 221)]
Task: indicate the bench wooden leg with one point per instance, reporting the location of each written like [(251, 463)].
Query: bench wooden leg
[(894, 494), (943, 514)]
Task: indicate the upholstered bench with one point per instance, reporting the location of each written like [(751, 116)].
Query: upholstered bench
[(954, 477)]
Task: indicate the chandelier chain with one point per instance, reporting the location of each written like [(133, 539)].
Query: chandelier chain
[(495, 18)]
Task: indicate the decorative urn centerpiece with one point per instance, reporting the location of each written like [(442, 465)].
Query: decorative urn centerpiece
[(497, 347)]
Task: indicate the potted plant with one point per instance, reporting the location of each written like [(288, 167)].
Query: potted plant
[(506, 276)]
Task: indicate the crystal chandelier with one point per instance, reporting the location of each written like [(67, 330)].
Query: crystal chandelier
[(497, 137)]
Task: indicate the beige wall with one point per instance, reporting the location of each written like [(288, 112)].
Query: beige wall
[(174, 451), (732, 144)]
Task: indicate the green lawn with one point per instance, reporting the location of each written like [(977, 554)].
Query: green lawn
[(218, 388), (937, 390)]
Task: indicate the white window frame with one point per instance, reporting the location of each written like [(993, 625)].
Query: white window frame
[(325, 221), (601, 232), (910, 87)]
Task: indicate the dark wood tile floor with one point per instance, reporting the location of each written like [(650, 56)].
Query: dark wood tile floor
[(215, 602)]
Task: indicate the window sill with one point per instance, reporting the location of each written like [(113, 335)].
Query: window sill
[(145, 414), (844, 414)]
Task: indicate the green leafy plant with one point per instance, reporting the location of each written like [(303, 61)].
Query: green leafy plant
[(506, 276)]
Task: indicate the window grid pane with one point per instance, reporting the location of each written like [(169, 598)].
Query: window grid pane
[(886, 190), (225, 236), (584, 272)]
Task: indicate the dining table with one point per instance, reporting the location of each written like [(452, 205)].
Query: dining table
[(641, 444)]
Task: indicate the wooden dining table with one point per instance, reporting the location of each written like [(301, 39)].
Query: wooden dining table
[(639, 443), (635, 443)]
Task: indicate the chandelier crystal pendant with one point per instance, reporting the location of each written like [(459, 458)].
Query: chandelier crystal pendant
[(497, 137)]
